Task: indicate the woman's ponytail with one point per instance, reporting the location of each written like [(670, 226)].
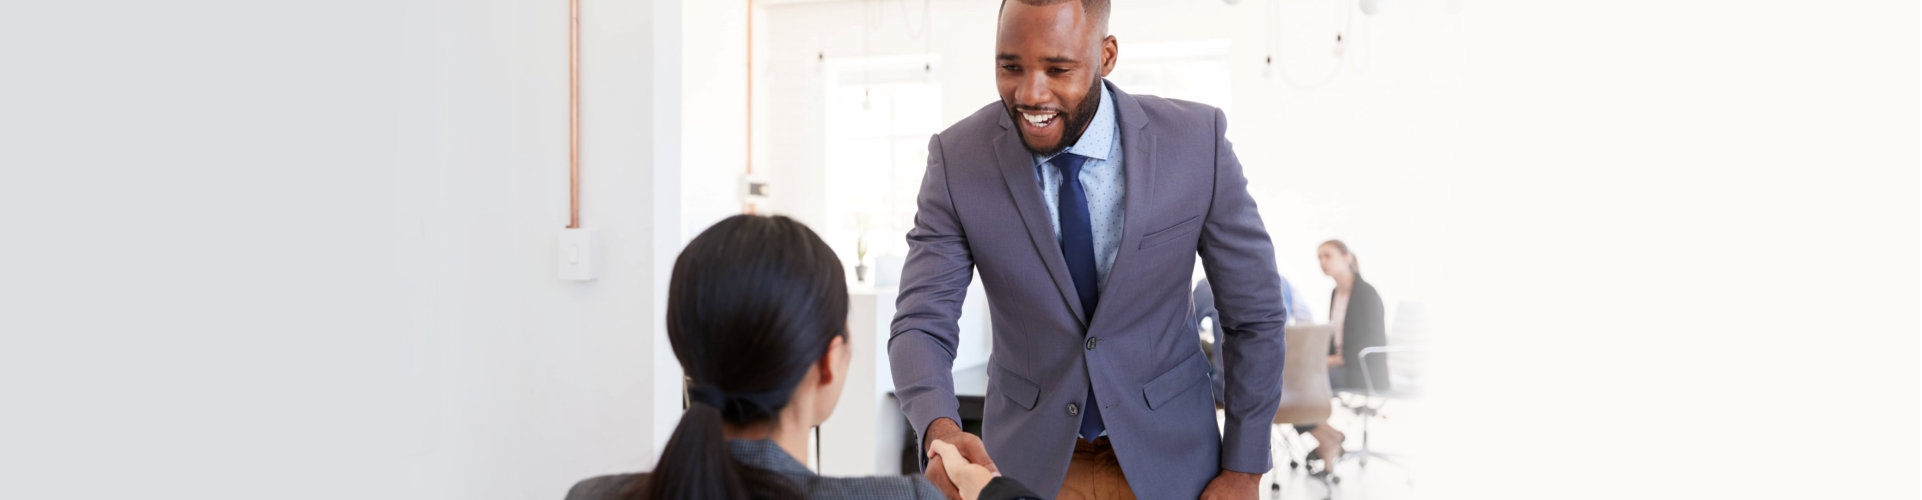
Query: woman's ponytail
[(1354, 263), (696, 463)]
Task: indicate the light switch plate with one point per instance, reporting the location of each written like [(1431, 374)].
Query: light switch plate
[(755, 189), (578, 254)]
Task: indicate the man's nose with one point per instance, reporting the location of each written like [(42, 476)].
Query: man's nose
[(1033, 90)]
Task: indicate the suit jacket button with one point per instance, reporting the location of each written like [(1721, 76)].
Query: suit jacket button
[(1074, 409), (1090, 343)]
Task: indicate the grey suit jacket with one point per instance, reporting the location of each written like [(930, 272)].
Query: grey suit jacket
[(980, 208)]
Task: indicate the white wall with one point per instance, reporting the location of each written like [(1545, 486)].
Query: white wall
[(714, 123), (1364, 158), (306, 250)]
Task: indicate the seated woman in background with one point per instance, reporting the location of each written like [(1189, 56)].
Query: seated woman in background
[(757, 313), (1356, 312)]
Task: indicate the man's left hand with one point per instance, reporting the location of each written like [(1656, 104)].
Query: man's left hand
[(1231, 485)]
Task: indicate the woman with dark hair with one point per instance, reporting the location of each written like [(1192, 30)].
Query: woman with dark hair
[(757, 314), (1355, 310)]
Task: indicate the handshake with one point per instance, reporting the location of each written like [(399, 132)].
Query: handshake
[(958, 463)]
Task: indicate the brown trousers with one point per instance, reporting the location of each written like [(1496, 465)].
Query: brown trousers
[(1094, 473)]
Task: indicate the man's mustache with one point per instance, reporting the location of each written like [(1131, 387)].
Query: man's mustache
[(1038, 110)]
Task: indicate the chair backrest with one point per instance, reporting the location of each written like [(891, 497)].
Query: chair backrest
[(1304, 376)]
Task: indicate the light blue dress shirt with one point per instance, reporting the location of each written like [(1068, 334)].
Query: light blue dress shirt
[(1101, 179)]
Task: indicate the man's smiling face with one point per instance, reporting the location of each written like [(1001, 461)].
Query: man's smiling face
[(1049, 63)]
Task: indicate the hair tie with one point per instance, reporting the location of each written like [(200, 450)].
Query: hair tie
[(739, 408), (708, 395)]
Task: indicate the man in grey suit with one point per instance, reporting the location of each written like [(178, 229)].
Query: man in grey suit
[(1083, 208)]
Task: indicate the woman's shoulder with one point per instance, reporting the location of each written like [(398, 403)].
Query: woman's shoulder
[(604, 487), (1366, 289), (877, 487)]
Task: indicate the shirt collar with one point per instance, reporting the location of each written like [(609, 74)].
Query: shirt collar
[(764, 454), (1096, 141)]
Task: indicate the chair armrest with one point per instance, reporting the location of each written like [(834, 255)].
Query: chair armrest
[(1367, 379)]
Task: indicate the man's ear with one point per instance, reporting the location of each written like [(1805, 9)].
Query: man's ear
[(1109, 50)]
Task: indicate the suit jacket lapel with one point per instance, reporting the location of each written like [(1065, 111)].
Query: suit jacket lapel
[(1137, 164), (1017, 168)]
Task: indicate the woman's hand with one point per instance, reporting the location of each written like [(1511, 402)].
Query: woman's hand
[(969, 478), (1334, 360)]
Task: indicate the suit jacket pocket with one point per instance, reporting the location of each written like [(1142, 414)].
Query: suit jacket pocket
[(1171, 233), (1171, 383), (1016, 389)]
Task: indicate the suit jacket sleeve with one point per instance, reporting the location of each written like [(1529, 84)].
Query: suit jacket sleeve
[(1239, 260), (1006, 488), (934, 281)]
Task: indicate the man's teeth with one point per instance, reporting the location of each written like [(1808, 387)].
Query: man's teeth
[(1038, 119)]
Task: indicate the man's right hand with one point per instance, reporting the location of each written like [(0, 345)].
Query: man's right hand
[(969, 445)]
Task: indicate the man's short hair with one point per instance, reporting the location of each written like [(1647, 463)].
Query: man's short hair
[(1096, 9)]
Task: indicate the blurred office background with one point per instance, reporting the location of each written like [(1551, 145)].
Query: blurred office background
[(309, 249)]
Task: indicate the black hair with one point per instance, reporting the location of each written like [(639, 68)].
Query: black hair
[(1096, 9), (753, 302)]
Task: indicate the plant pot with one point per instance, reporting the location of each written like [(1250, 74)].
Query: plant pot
[(861, 273)]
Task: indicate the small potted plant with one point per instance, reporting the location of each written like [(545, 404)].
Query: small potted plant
[(861, 258)]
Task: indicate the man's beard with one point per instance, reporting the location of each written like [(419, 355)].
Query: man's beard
[(1077, 121)]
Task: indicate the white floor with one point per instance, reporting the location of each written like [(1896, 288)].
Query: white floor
[(1371, 479)]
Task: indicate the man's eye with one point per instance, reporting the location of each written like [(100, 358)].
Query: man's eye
[(1010, 68), (1058, 71)]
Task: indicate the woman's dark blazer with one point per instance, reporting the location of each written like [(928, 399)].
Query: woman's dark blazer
[(766, 455), (1363, 327)]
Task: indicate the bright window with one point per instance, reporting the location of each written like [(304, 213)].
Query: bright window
[(1188, 70), (880, 113)]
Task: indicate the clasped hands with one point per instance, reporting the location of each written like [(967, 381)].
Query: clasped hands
[(958, 463)]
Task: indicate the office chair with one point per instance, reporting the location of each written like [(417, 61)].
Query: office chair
[(1369, 406), (1304, 388)]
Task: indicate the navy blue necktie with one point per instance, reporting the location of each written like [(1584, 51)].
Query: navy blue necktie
[(1077, 247)]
